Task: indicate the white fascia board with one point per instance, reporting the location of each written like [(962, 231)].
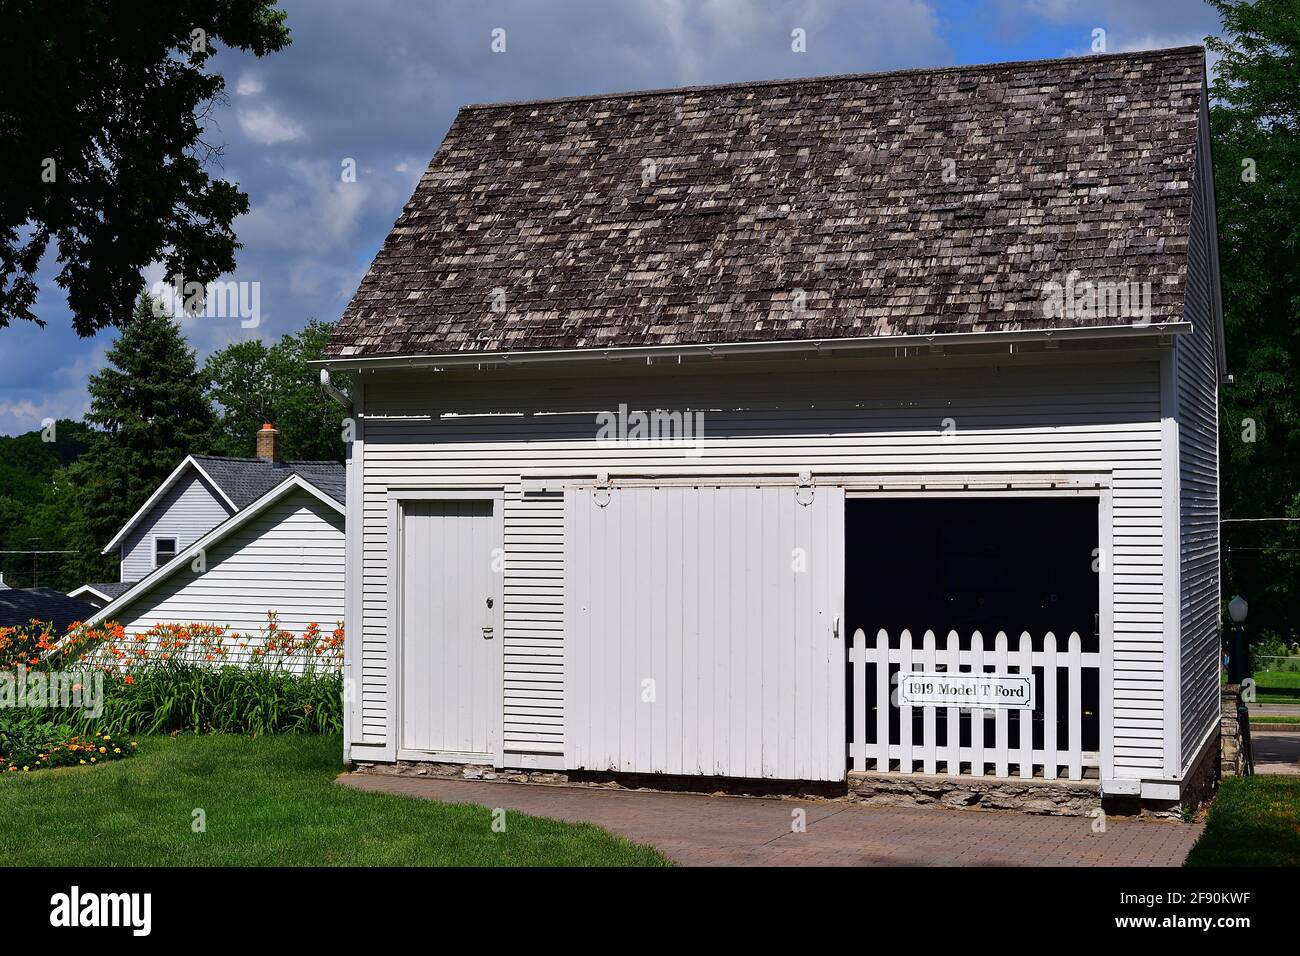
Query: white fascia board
[(357, 363), (161, 490), (213, 537), (87, 589)]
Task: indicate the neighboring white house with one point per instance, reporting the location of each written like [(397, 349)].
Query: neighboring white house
[(663, 397), (223, 541)]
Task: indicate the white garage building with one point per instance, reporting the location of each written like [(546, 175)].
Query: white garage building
[(662, 398)]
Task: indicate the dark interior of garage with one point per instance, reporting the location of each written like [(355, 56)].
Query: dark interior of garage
[(997, 564), (970, 564)]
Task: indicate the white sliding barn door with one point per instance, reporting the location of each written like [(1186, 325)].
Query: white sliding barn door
[(450, 634), (704, 631)]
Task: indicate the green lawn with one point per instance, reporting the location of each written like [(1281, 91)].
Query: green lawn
[(1277, 687), (268, 801), (1274, 687), (1278, 680), (1253, 821), (1273, 719)]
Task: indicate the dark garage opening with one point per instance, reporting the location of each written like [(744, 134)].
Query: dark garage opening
[(976, 564)]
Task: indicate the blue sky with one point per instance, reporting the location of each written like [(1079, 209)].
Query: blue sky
[(379, 83)]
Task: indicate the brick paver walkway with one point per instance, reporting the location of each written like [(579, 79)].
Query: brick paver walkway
[(701, 830)]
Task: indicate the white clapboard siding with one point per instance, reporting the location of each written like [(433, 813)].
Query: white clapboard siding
[(188, 511), (288, 559), (425, 428), (1057, 670), (1197, 364), (700, 634)]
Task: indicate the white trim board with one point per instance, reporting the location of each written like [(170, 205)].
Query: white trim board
[(997, 338), (86, 588)]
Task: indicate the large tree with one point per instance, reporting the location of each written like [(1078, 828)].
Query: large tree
[(255, 383), (1255, 122), (151, 410), (101, 148), (35, 503)]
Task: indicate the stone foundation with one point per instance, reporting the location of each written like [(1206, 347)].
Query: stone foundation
[(1054, 797), (1037, 796), (1202, 779), (732, 786), (412, 768), (1232, 750)]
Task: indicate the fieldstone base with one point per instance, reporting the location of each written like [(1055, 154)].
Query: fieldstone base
[(605, 780), (1053, 797), (1202, 780), (411, 768), (1043, 797), (1232, 734)]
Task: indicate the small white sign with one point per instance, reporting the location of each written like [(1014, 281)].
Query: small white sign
[(986, 691)]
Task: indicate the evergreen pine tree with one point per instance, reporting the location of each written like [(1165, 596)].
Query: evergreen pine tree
[(150, 407)]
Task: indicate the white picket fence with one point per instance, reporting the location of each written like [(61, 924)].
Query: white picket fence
[(1060, 752)]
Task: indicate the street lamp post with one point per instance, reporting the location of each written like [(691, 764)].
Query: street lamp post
[(1239, 670)]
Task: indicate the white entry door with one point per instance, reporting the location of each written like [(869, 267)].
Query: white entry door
[(450, 628), (704, 630)]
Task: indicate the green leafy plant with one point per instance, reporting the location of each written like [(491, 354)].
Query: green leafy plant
[(185, 697), (29, 741), (191, 678)]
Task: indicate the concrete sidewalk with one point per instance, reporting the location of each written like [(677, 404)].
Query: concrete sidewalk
[(1275, 751), (701, 830)]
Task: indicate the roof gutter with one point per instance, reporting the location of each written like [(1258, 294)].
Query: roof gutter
[(653, 353)]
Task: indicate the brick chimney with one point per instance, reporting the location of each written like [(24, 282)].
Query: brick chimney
[(268, 443)]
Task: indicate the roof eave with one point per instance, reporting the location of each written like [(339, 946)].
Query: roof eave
[(157, 496), (87, 589), (826, 346)]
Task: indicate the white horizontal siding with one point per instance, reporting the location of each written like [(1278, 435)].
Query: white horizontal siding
[(424, 428), (1197, 367), (188, 511), (289, 559)]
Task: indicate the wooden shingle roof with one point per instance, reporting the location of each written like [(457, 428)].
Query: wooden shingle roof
[(915, 202)]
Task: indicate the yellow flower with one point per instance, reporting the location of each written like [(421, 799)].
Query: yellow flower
[(25, 769), (133, 743), (117, 750), (103, 750), (81, 761), (93, 759)]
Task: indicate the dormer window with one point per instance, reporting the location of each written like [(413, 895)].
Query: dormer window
[(164, 549)]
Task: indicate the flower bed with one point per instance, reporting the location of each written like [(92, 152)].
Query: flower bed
[(198, 678), (28, 742)]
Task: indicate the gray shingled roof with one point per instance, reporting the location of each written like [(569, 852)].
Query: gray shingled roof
[(22, 605), (113, 589), (835, 186), (244, 480)]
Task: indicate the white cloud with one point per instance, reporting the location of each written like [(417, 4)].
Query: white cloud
[(249, 85), (263, 124)]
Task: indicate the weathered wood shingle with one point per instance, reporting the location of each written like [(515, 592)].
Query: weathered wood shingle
[(924, 201)]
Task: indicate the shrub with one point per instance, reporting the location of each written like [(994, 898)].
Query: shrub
[(30, 742)]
